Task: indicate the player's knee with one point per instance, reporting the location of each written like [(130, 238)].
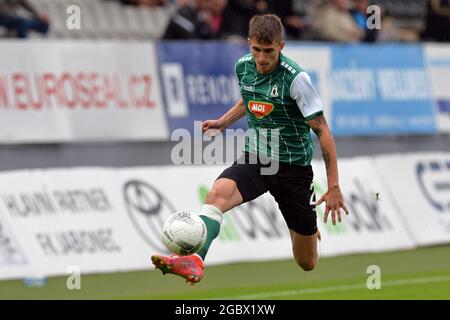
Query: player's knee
[(307, 264), (211, 196), (215, 197)]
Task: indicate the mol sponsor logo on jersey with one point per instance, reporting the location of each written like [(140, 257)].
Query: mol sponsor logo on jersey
[(260, 109)]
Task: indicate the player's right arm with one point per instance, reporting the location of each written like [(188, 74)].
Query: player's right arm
[(231, 116)]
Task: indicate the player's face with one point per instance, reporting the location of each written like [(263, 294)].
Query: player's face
[(266, 55)]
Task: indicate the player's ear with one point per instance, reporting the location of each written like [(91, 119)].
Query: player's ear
[(282, 44), (249, 42)]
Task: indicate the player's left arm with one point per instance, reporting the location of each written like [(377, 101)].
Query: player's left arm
[(333, 198)]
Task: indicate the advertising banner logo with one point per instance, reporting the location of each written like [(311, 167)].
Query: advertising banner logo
[(381, 90), (199, 81)]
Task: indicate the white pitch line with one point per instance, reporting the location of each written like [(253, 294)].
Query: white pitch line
[(389, 283)]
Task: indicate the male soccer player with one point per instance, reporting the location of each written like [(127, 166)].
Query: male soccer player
[(276, 95)]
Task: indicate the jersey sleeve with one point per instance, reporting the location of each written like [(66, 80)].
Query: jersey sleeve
[(239, 67), (306, 96)]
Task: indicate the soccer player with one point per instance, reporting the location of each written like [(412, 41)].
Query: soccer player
[(276, 94)]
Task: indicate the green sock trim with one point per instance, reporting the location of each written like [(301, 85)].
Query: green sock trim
[(213, 229)]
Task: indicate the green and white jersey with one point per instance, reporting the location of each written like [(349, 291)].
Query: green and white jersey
[(284, 99)]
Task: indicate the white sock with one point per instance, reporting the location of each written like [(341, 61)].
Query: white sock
[(212, 212)]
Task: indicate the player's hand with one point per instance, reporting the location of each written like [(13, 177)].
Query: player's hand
[(212, 128), (334, 201)]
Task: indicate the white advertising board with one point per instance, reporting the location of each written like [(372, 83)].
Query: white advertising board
[(75, 91), (109, 220)]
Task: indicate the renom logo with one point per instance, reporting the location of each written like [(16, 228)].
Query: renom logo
[(434, 180)]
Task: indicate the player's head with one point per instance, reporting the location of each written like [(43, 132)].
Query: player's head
[(265, 37)]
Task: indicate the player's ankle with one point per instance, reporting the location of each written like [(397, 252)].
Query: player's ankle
[(212, 212)]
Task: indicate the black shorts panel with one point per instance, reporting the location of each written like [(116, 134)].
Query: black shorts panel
[(292, 190), (248, 180), (290, 186)]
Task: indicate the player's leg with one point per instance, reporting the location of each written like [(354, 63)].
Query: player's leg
[(294, 194), (223, 196), (237, 184), (305, 249)]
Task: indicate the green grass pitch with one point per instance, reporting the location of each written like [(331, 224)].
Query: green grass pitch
[(413, 274)]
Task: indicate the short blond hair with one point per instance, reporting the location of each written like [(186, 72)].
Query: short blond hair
[(265, 28)]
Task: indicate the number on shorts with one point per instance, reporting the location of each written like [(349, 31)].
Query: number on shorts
[(313, 194)]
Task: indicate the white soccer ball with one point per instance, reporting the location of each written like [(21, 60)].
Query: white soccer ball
[(184, 233)]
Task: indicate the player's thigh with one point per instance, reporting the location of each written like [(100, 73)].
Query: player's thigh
[(302, 223), (224, 194), (293, 190), (235, 185)]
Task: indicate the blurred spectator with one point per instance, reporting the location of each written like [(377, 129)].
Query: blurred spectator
[(333, 22), (215, 20), (237, 15), (293, 24), (359, 14), (437, 21), (191, 21), (22, 25)]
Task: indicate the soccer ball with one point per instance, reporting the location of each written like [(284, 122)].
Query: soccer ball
[(184, 233)]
